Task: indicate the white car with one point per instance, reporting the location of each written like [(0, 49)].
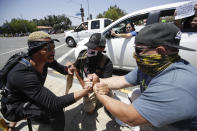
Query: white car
[(85, 30), (120, 50)]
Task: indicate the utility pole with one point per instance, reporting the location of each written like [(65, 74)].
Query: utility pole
[(88, 10), (82, 13)]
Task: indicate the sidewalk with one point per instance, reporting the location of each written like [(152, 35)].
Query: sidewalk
[(75, 118)]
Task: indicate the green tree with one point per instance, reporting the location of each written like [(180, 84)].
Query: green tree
[(99, 15), (113, 12), (22, 26), (58, 23), (6, 28), (18, 26)]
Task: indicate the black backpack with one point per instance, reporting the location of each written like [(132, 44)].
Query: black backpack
[(12, 61)]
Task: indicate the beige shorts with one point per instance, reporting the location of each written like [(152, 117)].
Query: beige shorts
[(89, 102)]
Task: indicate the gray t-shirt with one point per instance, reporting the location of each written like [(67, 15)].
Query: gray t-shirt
[(168, 98)]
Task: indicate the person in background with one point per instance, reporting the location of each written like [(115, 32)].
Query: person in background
[(93, 61), (26, 94), (187, 24), (167, 83), (194, 22), (85, 26), (130, 31)]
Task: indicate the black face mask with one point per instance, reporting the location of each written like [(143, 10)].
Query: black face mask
[(91, 60), (94, 59)]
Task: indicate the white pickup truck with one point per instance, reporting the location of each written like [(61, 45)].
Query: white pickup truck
[(85, 30)]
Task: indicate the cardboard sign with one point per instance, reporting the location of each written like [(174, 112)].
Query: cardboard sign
[(185, 10)]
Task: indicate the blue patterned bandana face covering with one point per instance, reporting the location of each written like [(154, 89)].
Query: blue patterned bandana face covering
[(91, 52)]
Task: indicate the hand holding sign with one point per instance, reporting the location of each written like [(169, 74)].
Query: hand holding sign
[(185, 10)]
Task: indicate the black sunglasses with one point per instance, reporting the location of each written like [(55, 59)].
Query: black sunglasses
[(49, 46)]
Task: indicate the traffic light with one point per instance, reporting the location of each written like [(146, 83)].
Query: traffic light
[(90, 16), (82, 12)]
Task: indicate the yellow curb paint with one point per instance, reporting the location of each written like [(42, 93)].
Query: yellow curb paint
[(125, 91), (56, 72)]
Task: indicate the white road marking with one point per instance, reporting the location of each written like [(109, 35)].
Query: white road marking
[(60, 46), (13, 51), (65, 55)]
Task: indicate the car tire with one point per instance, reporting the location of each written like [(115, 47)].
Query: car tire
[(70, 42)]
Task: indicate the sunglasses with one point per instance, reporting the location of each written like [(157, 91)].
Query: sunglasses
[(139, 49), (49, 46)]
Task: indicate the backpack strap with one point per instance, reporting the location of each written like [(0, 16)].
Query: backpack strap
[(83, 58), (25, 62), (102, 62), (82, 55)]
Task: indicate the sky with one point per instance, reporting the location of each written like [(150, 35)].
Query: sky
[(38, 9)]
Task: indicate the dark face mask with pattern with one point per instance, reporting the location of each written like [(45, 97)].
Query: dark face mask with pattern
[(154, 64), (94, 59)]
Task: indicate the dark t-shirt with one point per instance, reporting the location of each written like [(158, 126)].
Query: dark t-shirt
[(100, 64), (27, 85)]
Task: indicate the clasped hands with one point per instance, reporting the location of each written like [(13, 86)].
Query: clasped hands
[(99, 87), (91, 82)]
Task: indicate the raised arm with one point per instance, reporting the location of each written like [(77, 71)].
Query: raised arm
[(116, 82), (125, 112), (123, 35)]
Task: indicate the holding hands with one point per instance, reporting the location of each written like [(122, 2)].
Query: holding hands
[(98, 87), (101, 88)]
